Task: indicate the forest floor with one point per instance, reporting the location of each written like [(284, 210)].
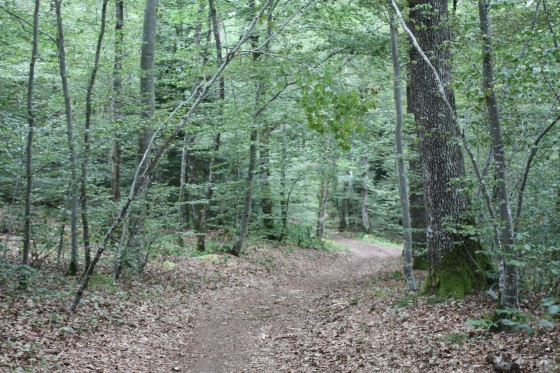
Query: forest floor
[(274, 309)]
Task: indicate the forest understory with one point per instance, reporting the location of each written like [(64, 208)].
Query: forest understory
[(273, 309)]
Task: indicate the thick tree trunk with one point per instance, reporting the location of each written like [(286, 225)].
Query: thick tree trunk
[(417, 213), (454, 264), (87, 147), (74, 200), (509, 296), (30, 130), (401, 171)]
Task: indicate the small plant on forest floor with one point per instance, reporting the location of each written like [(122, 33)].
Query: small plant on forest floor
[(406, 301), (454, 338)]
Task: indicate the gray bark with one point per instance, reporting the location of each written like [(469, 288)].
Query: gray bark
[(442, 158), (87, 147), (323, 199), (238, 245), (30, 130), (401, 171), (74, 196), (509, 296), (365, 195), (117, 99), (136, 244)]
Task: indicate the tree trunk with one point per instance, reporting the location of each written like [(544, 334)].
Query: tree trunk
[(365, 194), (509, 296), (74, 201), (117, 100), (30, 130), (453, 258), (85, 161), (401, 171), (323, 199), (344, 207), (283, 198), (183, 216), (266, 192), (136, 242), (236, 249)]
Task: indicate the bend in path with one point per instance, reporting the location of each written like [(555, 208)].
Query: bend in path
[(231, 335)]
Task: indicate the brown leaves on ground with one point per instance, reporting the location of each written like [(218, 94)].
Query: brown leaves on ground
[(276, 309)]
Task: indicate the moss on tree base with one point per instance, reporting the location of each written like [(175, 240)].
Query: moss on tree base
[(461, 271)]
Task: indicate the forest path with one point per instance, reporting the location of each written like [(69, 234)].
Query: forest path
[(236, 330)]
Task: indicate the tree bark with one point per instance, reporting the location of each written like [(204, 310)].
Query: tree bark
[(266, 192), (30, 130), (453, 258), (136, 244), (401, 171), (87, 147), (509, 296), (365, 195), (74, 196), (323, 199), (238, 245), (117, 100)]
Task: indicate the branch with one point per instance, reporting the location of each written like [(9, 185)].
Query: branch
[(19, 18), (525, 174)]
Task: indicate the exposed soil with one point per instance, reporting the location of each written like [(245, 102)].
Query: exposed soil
[(281, 309)]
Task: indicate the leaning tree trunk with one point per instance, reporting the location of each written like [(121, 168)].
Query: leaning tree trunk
[(29, 147), (401, 171), (509, 296), (453, 257), (74, 201)]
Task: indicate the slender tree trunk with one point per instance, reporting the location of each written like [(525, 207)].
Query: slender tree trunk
[(136, 241), (74, 196), (323, 199), (365, 195), (85, 161), (30, 130), (117, 100), (283, 199), (205, 208), (509, 296), (266, 192), (236, 249), (238, 245), (344, 208), (183, 219), (401, 171)]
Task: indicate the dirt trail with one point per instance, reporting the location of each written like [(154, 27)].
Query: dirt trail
[(235, 321), (233, 335)]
